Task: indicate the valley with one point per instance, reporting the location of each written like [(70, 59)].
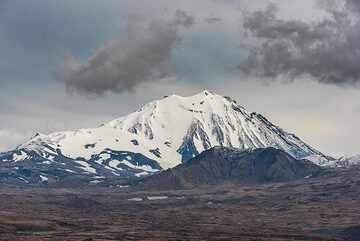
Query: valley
[(318, 208)]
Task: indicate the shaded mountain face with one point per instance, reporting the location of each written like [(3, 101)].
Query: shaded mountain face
[(222, 165), (160, 135)]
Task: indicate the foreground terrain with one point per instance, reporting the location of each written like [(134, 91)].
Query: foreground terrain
[(316, 208)]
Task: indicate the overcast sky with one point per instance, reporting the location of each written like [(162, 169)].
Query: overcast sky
[(79, 63)]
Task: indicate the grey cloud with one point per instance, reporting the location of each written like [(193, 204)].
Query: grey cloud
[(139, 56), (212, 19), (327, 50), (10, 138), (182, 18), (3, 3), (353, 5)]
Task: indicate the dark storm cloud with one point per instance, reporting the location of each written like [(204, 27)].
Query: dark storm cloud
[(137, 57), (327, 50), (353, 4)]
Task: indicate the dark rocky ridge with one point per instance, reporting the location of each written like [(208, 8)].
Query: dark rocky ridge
[(221, 165)]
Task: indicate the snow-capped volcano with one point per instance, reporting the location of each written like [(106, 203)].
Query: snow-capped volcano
[(160, 135)]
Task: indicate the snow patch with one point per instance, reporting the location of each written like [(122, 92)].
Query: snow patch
[(157, 197), (307, 177), (123, 186), (146, 168), (20, 157), (96, 181), (114, 164), (23, 179), (44, 178), (135, 199), (141, 174), (86, 167)]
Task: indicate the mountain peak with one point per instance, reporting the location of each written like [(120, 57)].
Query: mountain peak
[(201, 94), (208, 92)]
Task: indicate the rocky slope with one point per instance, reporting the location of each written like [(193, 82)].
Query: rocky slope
[(221, 165)]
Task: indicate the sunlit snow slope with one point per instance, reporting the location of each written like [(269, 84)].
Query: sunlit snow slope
[(160, 135)]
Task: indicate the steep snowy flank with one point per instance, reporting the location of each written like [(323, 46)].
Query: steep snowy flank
[(160, 135)]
